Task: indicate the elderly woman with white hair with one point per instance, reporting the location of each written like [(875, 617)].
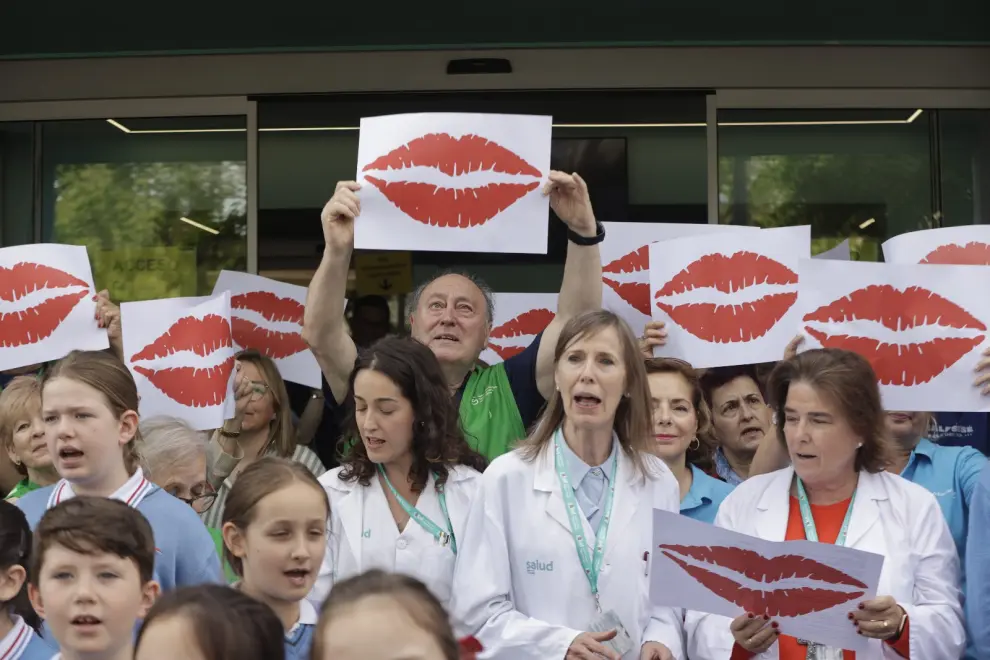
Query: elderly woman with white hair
[(174, 459)]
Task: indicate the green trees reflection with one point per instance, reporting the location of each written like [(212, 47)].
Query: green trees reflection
[(129, 216)]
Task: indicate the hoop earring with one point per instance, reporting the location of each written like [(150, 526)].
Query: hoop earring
[(695, 444)]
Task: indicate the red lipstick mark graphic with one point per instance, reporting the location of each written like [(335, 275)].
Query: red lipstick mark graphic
[(528, 323), (273, 343), (973, 253), (636, 294), (897, 364), (730, 323), (33, 324), (190, 386), (786, 601), (453, 207)]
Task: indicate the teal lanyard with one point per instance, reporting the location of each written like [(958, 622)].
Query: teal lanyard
[(443, 537), (592, 564), (810, 531)]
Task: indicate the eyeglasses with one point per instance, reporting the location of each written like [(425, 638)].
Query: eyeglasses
[(200, 503)]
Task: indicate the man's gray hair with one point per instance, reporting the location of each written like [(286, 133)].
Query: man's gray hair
[(412, 302), (169, 443)]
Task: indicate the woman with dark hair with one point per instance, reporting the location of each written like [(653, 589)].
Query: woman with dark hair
[(555, 559), (210, 622), (400, 498), (837, 491)]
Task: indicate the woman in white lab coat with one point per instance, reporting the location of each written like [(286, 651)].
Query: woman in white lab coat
[(554, 560), (400, 499), (836, 491)]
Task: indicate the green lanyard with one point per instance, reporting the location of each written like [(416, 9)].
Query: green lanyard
[(810, 531), (820, 651), (441, 536), (592, 564)]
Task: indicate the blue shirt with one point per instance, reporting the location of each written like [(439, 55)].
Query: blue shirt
[(185, 554), (590, 484), (724, 470), (299, 640), (978, 569), (701, 502), (23, 643)]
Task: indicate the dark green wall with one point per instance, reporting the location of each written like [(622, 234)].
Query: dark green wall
[(112, 27)]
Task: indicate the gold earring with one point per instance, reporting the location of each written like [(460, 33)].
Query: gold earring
[(695, 444)]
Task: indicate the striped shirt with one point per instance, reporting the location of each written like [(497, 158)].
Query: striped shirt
[(213, 517)]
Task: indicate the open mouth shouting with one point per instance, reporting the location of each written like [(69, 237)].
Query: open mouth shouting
[(31, 284), (187, 385), (457, 205), (298, 577), (586, 401), (974, 253), (729, 274), (953, 331), (525, 326), (69, 457), (275, 344), (635, 292), (774, 586)]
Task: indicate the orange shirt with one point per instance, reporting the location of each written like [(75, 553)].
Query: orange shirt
[(828, 524)]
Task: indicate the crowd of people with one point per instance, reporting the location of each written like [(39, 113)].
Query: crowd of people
[(504, 511)]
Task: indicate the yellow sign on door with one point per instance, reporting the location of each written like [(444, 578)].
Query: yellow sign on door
[(383, 273)]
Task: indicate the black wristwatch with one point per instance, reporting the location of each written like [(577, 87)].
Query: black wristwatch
[(578, 239)]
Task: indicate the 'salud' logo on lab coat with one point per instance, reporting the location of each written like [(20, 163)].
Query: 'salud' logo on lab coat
[(366, 533), (542, 566)]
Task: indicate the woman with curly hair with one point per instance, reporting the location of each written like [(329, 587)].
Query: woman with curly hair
[(401, 496)]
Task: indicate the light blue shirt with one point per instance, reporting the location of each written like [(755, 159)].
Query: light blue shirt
[(701, 502), (951, 474), (590, 483), (724, 470), (978, 569)]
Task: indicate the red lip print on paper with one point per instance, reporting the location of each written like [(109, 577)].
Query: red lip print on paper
[(897, 310), (528, 323), (728, 274), (273, 343), (974, 253), (637, 294), (188, 385), (771, 595), (31, 325), (453, 206)]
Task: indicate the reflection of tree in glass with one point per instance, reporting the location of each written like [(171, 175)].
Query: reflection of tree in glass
[(128, 215), (834, 193)]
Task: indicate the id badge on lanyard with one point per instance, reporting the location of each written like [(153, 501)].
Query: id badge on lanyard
[(591, 562)]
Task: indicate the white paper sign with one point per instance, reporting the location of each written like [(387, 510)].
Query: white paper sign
[(921, 327), (961, 246), (181, 353), (519, 317), (267, 315), (807, 588), (454, 182), (46, 304), (839, 253), (626, 264), (728, 299)]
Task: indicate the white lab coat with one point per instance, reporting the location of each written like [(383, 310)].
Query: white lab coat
[(519, 586), (363, 534), (891, 517)]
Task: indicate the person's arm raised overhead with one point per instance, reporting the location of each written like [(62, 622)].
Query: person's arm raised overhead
[(323, 322), (581, 289)]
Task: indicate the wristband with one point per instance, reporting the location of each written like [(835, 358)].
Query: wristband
[(900, 627), (578, 239)]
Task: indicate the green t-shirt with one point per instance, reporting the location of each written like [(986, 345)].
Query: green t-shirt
[(489, 414), (21, 489)]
